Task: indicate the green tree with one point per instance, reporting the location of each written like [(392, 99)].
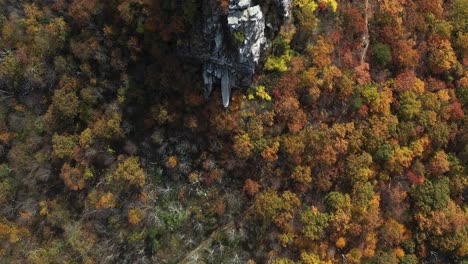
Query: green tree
[(384, 257), (381, 54), (337, 201), (459, 16), (361, 196), (384, 153), (10, 70), (432, 195), (314, 222), (267, 205), (410, 105), (409, 259)]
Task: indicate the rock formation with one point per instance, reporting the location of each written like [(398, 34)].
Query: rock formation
[(286, 5), (229, 43)]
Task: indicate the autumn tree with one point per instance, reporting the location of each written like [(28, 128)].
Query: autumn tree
[(270, 153), (321, 51), (339, 208), (293, 146), (441, 58), (135, 216), (102, 200), (406, 57), (358, 167), (11, 232), (446, 228), (129, 172), (108, 126), (306, 17), (251, 187), (393, 233), (65, 103), (310, 258), (242, 146), (83, 10), (439, 164), (64, 146), (302, 174), (73, 177)]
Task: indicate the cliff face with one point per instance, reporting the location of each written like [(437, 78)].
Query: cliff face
[(229, 42)]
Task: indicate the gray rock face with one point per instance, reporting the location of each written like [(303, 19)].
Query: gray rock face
[(286, 6), (243, 20), (251, 23), (229, 45)]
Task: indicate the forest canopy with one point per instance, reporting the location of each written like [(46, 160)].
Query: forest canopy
[(349, 145)]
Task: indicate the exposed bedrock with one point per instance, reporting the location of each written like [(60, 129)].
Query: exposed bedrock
[(229, 44)]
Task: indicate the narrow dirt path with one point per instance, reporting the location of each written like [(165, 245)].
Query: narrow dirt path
[(365, 36)]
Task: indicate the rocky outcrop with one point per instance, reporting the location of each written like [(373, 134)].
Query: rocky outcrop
[(246, 31), (229, 44), (286, 6), (249, 23)]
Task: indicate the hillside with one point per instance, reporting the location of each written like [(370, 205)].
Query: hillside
[(234, 131)]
